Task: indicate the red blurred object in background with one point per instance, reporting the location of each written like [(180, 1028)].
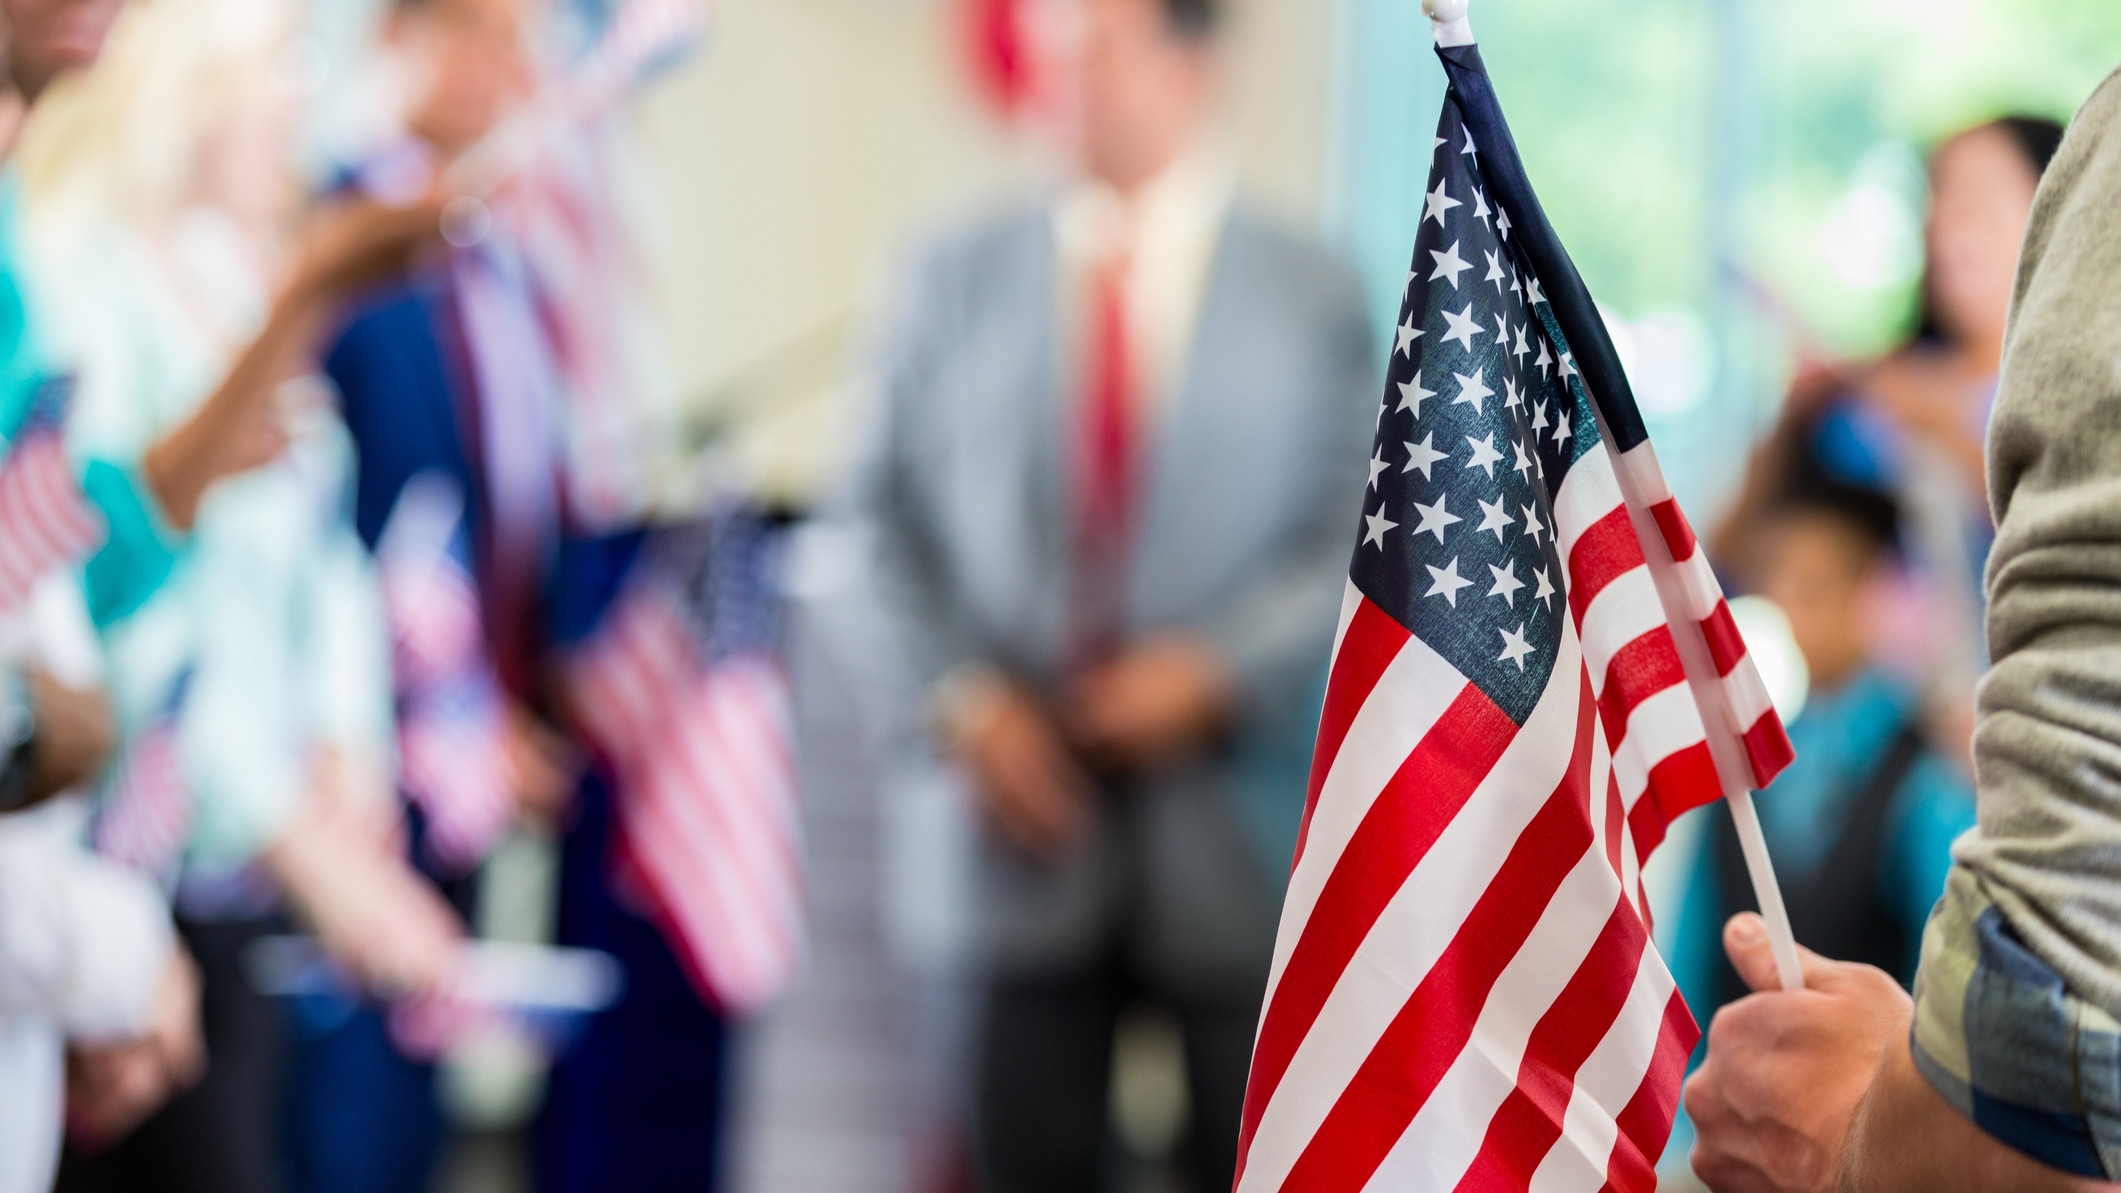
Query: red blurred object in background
[(996, 50)]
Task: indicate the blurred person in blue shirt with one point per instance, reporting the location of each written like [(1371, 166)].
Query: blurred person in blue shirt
[(1861, 825), (453, 376)]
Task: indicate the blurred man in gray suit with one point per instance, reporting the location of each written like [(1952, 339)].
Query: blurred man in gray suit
[(1112, 491)]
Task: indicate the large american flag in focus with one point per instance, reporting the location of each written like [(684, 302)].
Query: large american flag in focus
[(682, 688), (45, 519), (1535, 672)]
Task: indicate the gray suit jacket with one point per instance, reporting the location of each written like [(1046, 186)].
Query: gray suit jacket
[(1248, 519)]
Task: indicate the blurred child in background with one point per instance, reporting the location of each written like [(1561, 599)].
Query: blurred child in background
[(1861, 825)]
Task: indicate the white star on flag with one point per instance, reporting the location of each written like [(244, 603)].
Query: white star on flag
[(1535, 295), (1524, 460), (1511, 398), (1412, 394), (1463, 326), (1424, 456), (1520, 348), (1449, 264), (1378, 525), (1439, 202), (1480, 207), (1543, 361), (1434, 517), (1377, 465), (1469, 149), (1546, 588), (1497, 276), (1506, 584), (1445, 582), (1568, 365), (1561, 426), (1485, 457), (1502, 224), (1514, 647), (1472, 389), (1495, 517), (1408, 333), (1539, 416), (1532, 525)]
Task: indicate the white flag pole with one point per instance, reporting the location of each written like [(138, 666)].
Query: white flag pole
[(1449, 18), (1781, 938)]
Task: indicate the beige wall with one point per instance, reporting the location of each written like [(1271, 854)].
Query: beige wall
[(795, 153)]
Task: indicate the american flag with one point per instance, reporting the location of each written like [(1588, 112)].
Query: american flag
[(145, 814), (567, 196), (682, 688), (452, 723), (45, 519), (1534, 673)]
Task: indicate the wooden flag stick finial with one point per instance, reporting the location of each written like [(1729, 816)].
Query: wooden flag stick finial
[(1449, 19)]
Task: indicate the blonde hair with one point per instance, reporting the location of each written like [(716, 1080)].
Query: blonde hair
[(125, 139)]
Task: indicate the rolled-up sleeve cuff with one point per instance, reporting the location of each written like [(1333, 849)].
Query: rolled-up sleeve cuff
[(1998, 1034)]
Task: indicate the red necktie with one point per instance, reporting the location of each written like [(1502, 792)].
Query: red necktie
[(1105, 471)]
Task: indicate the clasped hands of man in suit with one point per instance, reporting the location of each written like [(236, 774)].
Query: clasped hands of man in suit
[(1033, 761)]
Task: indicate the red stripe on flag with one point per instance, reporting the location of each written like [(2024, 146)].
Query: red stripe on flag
[(1432, 1028), (1683, 780), (1725, 646), (1373, 640), (1638, 671), (1615, 813), (1672, 524), (1528, 1122), (1646, 1122), (1768, 748), (1606, 550), (1415, 807)]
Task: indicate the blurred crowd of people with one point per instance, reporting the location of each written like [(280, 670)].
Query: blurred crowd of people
[(305, 590), (319, 568)]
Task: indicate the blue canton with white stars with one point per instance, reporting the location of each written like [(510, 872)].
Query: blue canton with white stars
[(1479, 424)]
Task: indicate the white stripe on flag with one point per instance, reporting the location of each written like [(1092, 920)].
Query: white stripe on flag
[(1608, 1079), (1440, 1143), (1409, 697), (1660, 726), (1624, 610), (1416, 926)]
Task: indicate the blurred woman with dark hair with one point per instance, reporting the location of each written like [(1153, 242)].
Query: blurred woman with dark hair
[(1913, 422)]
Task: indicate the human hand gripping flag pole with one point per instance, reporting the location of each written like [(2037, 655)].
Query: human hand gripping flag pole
[(1464, 994)]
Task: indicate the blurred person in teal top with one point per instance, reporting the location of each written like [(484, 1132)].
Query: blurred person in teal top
[(261, 650), (1861, 825)]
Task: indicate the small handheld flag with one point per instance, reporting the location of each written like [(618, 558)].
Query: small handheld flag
[(681, 687), (1535, 672), (146, 810), (453, 759), (45, 519)]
